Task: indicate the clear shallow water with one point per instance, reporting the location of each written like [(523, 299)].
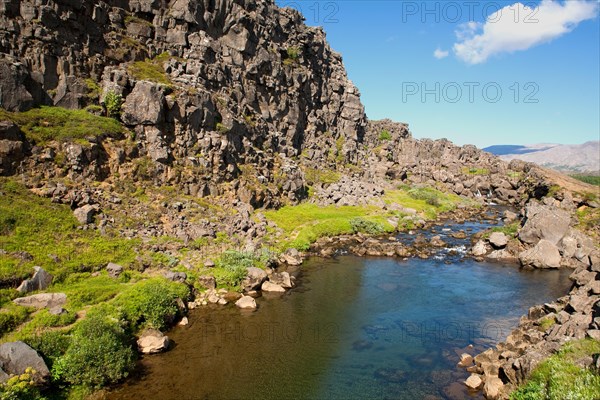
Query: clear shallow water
[(355, 328)]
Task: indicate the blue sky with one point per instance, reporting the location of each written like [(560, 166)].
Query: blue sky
[(544, 59)]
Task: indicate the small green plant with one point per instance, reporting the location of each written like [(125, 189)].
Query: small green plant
[(99, 354), (151, 70), (20, 387), (475, 171), (93, 88), (221, 128), (365, 226), (293, 53), (113, 103), (385, 135), (431, 196)]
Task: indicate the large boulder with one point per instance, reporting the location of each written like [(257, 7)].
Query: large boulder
[(543, 255), (544, 222), (152, 341), (16, 357), (479, 249), (254, 279), (40, 280), (42, 300)]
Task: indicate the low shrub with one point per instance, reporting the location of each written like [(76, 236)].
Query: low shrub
[(385, 135), (99, 354), (50, 344), (365, 226), (152, 303), (12, 316)]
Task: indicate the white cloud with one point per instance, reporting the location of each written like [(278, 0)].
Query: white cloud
[(518, 27), (439, 53)]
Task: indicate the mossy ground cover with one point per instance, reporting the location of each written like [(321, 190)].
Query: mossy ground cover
[(559, 378), (46, 124), (305, 223), (48, 232)]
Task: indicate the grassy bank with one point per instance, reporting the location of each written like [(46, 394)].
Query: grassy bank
[(303, 224), (560, 377)]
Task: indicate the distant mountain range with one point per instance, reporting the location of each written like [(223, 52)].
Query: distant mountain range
[(571, 158)]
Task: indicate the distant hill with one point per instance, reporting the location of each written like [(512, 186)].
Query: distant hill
[(570, 158)]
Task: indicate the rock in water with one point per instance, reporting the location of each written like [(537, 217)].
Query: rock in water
[(16, 357), (272, 287), (153, 341), (40, 281), (282, 279), (246, 302), (479, 249), (42, 300), (292, 257), (542, 255), (474, 382), (254, 279)]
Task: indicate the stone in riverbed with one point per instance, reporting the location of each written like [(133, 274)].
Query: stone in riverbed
[(153, 341), (272, 287), (479, 249), (492, 387), (466, 360), (291, 257), (543, 255), (474, 382), (207, 281), (282, 279), (254, 279), (246, 302)]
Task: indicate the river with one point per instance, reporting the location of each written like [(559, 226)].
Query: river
[(353, 328)]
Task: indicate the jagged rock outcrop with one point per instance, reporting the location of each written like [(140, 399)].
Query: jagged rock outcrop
[(209, 86)]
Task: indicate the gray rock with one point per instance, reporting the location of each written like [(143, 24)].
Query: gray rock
[(246, 302), (492, 387), (292, 257), (40, 280), (543, 255), (144, 105), (114, 270), (207, 281), (152, 341), (474, 382), (282, 279), (42, 300), (85, 214), (271, 287), (16, 357), (254, 279), (479, 249), (209, 264), (176, 276), (544, 222), (499, 240)]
